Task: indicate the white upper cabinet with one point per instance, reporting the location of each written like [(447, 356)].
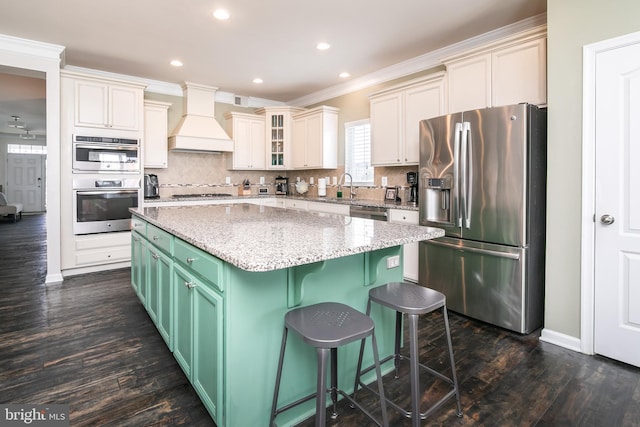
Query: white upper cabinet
[(395, 116), (248, 134), (278, 125), (518, 74), (315, 139), (156, 133), (509, 72), (469, 83), (104, 104)]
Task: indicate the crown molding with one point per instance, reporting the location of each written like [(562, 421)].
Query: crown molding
[(424, 62), (31, 47), (173, 89)]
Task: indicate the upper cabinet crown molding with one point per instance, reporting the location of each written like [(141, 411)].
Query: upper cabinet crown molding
[(513, 39)]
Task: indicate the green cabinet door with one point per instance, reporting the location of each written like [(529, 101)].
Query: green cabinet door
[(165, 298), (207, 348), (198, 337), (139, 265), (183, 318), (153, 282)]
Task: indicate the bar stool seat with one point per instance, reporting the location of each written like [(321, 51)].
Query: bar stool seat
[(412, 300), (327, 326)]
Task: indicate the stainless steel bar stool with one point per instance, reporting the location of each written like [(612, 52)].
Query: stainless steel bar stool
[(412, 300), (327, 326)]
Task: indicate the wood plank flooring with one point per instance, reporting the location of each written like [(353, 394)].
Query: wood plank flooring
[(89, 343)]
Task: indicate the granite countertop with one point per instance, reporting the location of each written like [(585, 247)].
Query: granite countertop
[(263, 238), (342, 201)]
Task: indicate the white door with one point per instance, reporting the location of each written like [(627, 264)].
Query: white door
[(25, 181), (617, 204)]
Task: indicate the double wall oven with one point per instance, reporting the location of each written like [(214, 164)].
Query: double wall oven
[(106, 183)]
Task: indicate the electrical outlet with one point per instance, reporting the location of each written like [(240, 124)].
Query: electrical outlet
[(385, 182), (393, 261), (227, 180)]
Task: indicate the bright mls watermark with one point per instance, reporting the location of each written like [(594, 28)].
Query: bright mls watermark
[(34, 415)]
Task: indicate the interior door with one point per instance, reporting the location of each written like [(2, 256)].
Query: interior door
[(25, 183), (617, 204)]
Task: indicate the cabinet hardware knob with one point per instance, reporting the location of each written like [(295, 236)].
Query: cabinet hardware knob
[(154, 256), (156, 238), (189, 285), (190, 260)]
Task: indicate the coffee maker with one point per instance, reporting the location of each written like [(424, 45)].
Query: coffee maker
[(282, 185), (412, 180), (151, 186)]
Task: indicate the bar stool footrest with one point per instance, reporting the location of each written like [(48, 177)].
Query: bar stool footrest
[(423, 415)]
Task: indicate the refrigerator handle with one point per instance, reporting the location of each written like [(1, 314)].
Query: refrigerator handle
[(468, 174), (456, 175), (475, 250), (464, 194)]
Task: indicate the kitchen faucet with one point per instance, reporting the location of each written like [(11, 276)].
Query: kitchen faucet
[(352, 192)]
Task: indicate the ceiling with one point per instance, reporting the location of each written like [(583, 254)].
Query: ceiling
[(271, 39)]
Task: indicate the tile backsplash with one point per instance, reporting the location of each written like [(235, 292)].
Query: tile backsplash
[(207, 173)]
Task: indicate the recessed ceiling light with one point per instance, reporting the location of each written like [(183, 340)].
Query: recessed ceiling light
[(176, 63), (344, 75), (257, 80), (221, 14), (323, 46)]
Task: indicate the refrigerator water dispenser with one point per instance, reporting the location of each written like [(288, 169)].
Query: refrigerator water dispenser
[(438, 200)]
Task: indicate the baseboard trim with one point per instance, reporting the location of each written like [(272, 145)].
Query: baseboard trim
[(562, 340)]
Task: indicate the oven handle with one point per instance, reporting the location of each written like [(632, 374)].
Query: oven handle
[(93, 192), (107, 146)]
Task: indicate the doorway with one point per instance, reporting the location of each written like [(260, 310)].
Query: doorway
[(43, 60), (611, 197)]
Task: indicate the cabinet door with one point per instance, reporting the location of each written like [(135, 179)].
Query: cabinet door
[(183, 319), (299, 143), (155, 136), (421, 102), (124, 108), (257, 145), (242, 150), (386, 129), (139, 266), (519, 74), (314, 142), (165, 298), (153, 282), (208, 352), (92, 104), (469, 83)]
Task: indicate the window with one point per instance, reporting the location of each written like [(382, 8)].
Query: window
[(358, 152), (26, 149)]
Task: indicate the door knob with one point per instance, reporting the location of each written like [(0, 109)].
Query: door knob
[(607, 219)]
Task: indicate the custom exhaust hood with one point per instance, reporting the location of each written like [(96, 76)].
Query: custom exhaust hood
[(198, 129)]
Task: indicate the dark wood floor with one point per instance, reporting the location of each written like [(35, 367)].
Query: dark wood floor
[(89, 343)]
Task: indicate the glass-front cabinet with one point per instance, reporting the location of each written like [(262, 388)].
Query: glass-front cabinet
[(279, 123)]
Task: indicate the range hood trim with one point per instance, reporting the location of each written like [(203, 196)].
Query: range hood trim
[(198, 130)]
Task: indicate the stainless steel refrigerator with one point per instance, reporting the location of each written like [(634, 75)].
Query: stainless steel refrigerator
[(482, 179)]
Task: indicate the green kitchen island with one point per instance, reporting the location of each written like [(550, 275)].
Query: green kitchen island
[(217, 281)]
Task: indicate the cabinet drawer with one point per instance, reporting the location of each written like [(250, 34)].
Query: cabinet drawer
[(400, 215), (104, 256), (208, 267), (160, 239), (139, 226)]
